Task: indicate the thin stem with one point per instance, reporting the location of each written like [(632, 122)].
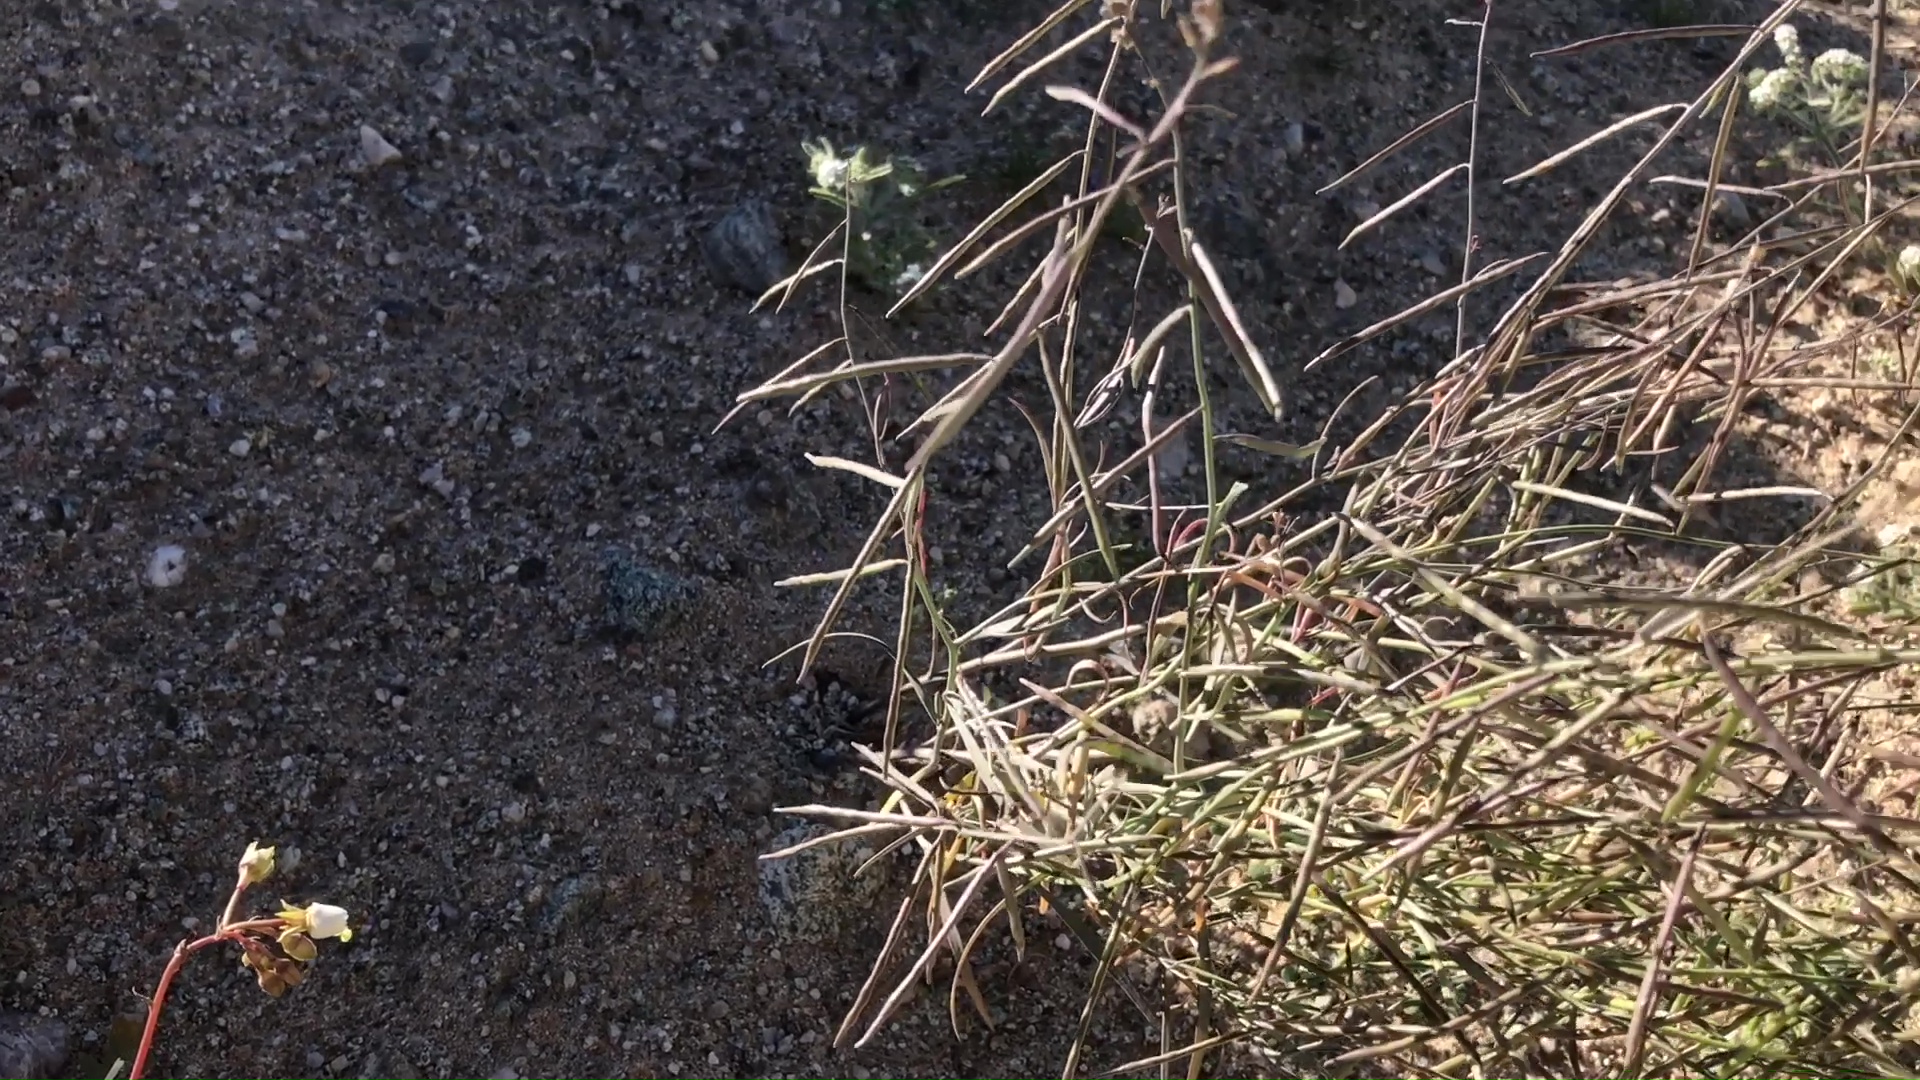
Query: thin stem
[(233, 902), (1473, 178), (228, 931)]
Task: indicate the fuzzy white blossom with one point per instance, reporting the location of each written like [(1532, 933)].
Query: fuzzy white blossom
[(167, 567), (1907, 266), (1773, 90), (1840, 68), (831, 173), (1787, 40)]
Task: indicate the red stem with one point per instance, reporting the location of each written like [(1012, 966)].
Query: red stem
[(228, 930)]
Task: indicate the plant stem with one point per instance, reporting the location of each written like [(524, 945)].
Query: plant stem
[(178, 961), (227, 931), (233, 902)]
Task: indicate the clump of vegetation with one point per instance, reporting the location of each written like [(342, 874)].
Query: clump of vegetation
[(1302, 772), (1826, 98), (887, 244), (1890, 587)]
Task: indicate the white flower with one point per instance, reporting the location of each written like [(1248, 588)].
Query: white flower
[(1787, 40), (167, 567), (318, 921), (1773, 91), (1908, 265), (1840, 68), (831, 173), (325, 921)]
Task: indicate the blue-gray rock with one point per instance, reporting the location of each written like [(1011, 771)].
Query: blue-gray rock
[(639, 597), (32, 1047), (744, 249)]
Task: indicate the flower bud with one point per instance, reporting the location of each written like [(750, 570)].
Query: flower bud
[(256, 864)]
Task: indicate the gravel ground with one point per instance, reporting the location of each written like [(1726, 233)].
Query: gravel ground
[(393, 318)]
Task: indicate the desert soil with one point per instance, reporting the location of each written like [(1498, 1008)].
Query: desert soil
[(396, 413)]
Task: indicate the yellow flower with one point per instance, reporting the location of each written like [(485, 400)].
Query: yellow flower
[(257, 863), (318, 921)]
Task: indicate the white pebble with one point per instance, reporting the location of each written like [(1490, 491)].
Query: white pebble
[(375, 150), (168, 567), (240, 447), (522, 438)]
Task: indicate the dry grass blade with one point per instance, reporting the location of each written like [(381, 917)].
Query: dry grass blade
[(937, 940), (1649, 996), (1099, 108), (1402, 203), (1426, 127), (986, 225), (1027, 41), (1778, 743), (1593, 140), (1164, 231), (1596, 501), (1657, 33), (1090, 34), (787, 386), (1488, 274)]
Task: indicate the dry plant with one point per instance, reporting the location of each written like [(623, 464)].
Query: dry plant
[(1389, 787)]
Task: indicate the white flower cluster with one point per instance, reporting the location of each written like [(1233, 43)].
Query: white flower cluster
[(1787, 40), (1829, 78), (1771, 90), (1841, 69)]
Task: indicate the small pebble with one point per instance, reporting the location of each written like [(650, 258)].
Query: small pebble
[(1295, 136), (522, 438), (375, 150), (167, 567), (1343, 295), (513, 813), (240, 447), (30, 88)]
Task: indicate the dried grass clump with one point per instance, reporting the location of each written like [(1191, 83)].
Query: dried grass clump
[(1391, 787)]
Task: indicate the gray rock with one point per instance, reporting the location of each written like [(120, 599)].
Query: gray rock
[(744, 248), (1731, 210), (639, 597), (32, 1047)]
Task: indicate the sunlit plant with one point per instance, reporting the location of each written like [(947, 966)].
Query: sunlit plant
[(276, 948), (887, 246), (1826, 97)]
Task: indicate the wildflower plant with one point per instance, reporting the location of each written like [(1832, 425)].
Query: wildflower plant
[(887, 247), (276, 948), (1826, 97)]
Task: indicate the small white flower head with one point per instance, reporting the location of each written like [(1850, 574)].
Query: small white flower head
[(829, 168), (167, 567), (1787, 40), (1773, 91), (1840, 68), (1907, 266)]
